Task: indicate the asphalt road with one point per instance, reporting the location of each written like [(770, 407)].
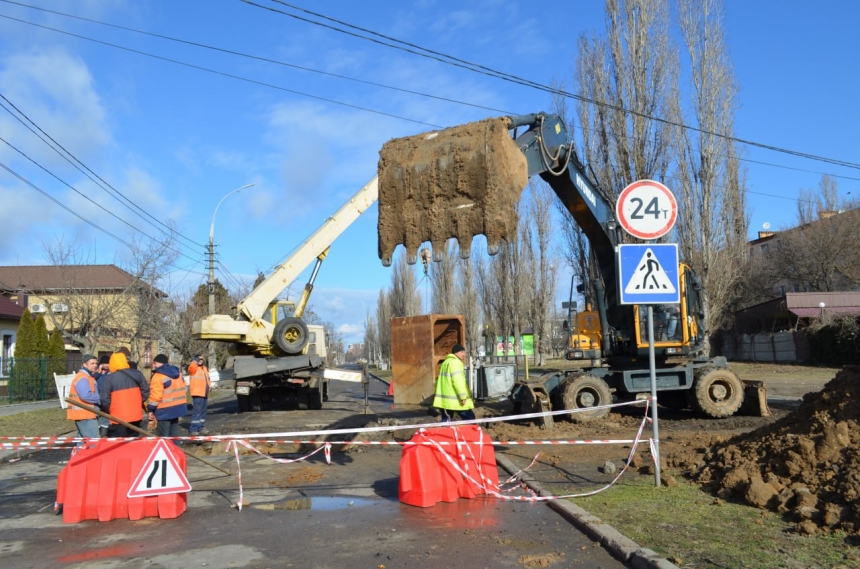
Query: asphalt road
[(303, 514)]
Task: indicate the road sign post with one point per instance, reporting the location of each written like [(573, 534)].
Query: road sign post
[(648, 274)]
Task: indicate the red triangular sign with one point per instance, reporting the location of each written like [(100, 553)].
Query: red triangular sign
[(160, 474)]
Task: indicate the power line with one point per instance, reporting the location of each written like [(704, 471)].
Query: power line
[(112, 214), (66, 155), (477, 68), (344, 77), (222, 73), (260, 58), (56, 201)]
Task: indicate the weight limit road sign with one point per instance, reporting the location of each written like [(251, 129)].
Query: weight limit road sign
[(648, 274), (646, 209)]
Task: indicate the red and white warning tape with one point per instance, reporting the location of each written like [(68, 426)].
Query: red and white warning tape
[(461, 464)]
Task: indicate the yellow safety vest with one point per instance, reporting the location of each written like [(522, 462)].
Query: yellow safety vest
[(451, 386)]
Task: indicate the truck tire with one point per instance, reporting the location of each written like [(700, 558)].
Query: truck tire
[(315, 399), (717, 393), (583, 391), (291, 335), (244, 402), (255, 401)]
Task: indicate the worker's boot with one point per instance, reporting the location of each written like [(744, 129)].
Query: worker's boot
[(103, 432)]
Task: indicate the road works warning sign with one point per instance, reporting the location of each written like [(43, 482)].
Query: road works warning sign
[(160, 474), (648, 274)]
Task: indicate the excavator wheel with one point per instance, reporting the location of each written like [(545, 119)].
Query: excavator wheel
[(717, 392), (583, 391), (291, 335)]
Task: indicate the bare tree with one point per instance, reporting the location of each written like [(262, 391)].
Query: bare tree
[(150, 264), (189, 307), (816, 257), (443, 292), (130, 313), (575, 248), (712, 222), (383, 322), (466, 303), (543, 268), (404, 298), (811, 205), (372, 347), (334, 343), (630, 72)]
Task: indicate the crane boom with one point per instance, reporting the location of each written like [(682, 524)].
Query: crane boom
[(255, 304)]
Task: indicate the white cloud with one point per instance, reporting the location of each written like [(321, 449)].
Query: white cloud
[(56, 91), (346, 309)]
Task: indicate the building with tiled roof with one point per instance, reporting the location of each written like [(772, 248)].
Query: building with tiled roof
[(98, 307)]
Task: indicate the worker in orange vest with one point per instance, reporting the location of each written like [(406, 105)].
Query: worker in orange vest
[(167, 399), (200, 387), (122, 393), (83, 389)]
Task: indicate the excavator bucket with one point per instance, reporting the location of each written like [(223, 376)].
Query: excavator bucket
[(457, 182), (755, 399)]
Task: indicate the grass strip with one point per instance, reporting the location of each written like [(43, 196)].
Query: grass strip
[(692, 528), (41, 423)]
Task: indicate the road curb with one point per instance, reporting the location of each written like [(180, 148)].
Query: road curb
[(619, 545)]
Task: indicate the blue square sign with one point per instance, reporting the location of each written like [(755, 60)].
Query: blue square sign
[(648, 274)]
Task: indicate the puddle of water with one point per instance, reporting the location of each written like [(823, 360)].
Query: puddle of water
[(318, 503)]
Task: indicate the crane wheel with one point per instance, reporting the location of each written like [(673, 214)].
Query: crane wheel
[(583, 391), (717, 393), (291, 335)]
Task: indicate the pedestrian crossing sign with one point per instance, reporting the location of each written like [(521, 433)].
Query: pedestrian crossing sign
[(648, 274)]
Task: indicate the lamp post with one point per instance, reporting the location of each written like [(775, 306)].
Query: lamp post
[(211, 284)]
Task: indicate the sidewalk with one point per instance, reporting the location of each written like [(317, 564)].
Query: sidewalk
[(29, 406)]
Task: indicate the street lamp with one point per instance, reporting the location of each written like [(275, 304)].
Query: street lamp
[(821, 309), (211, 284)]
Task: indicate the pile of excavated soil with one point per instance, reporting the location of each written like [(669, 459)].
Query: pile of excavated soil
[(457, 182), (805, 465)]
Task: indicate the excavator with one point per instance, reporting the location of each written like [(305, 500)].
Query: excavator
[(465, 181), (274, 353)]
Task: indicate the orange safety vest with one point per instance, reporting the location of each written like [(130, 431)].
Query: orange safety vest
[(170, 397), (126, 404), (200, 383), (74, 413)]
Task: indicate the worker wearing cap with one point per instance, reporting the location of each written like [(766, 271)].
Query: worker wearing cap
[(200, 386), (167, 401), (83, 389), (122, 393), (452, 391)]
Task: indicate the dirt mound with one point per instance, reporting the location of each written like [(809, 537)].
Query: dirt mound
[(458, 182), (805, 465)]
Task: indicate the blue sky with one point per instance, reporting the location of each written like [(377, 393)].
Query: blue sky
[(175, 139)]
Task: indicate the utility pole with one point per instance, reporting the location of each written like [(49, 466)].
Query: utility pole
[(211, 287)]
